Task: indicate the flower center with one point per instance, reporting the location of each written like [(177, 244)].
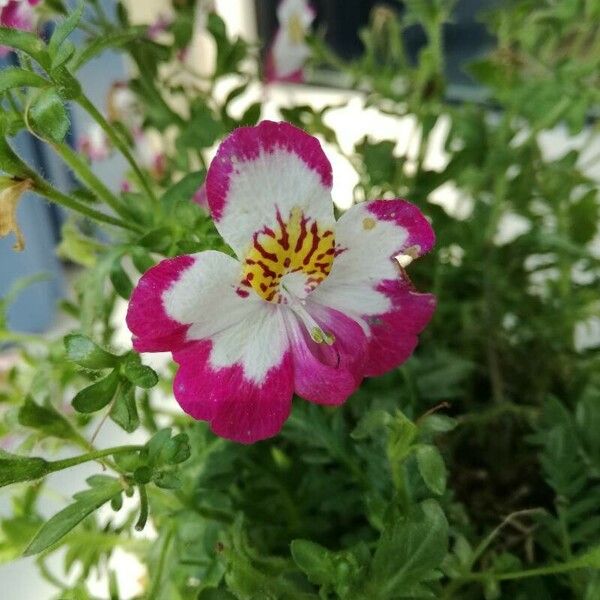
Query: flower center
[(299, 247)]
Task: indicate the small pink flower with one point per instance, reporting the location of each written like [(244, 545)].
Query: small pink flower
[(162, 24), (17, 14), (308, 306), (94, 143), (289, 52)]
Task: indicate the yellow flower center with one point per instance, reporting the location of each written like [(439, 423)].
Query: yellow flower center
[(297, 246)]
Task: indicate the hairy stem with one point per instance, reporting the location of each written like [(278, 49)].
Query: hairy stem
[(118, 142), (59, 465)]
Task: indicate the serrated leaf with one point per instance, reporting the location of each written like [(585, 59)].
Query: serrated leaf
[(47, 419), (15, 468), (432, 468), (49, 116), (103, 490), (13, 77), (111, 40), (97, 395), (27, 42), (137, 373), (409, 550), (124, 410), (64, 29), (314, 560), (84, 352)]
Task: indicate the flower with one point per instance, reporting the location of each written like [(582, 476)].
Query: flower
[(16, 14), (123, 105), (149, 153), (94, 143), (160, 25), (287, 55), (309, 305)]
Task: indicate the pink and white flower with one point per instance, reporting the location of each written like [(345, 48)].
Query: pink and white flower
[(309, 305), (94, 144), (149, 153), (123, 105), (17, 14), (289, 52)]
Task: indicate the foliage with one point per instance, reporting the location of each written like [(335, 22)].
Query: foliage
[(473, 471)]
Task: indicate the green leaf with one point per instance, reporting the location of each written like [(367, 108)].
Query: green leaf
[(251, 115), (584, 215), (103, 489), (432, 468), (124, 410), (176, 450), (97, 395), (111, 40), (120, 280), (167, 480), (81, 350), (49, 116), (183, 191), (27, 42), (408, 552), (64, 29), (12, 77), (64, 53), (314, 560), (14, 468), (137, 373), (155, 444), (47, 419)]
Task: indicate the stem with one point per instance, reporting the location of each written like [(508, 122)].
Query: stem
[(116, 139), (155, 588), (59, 465), (44, 188), (540, 571), (88, 178)]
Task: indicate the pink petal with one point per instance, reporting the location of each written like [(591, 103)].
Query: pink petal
[(17, 15), (367, 284), (327, 374), (153, 329), (237, 408), (262, 173), (393, 335), (272, 75)]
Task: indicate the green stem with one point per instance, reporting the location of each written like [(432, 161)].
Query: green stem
[(85, 175), (156, 580), (118, 142), (44, 188), (59, 465), (540, 571)]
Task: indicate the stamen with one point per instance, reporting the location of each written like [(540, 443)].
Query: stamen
[(316, 333), (405, 258)]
